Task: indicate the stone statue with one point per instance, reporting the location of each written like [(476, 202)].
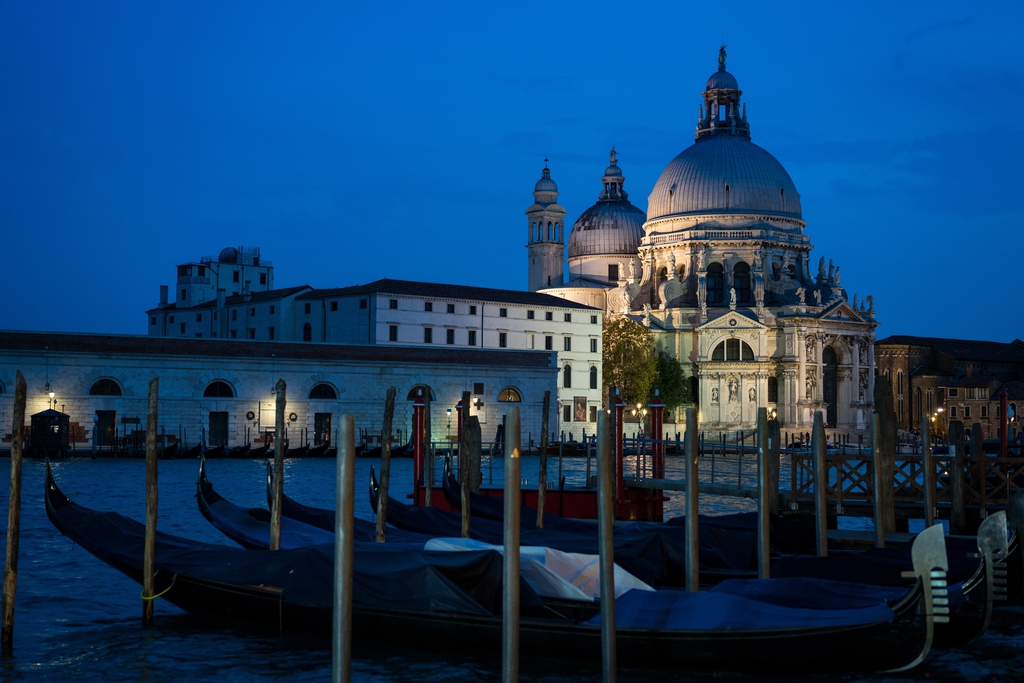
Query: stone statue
[(732, 297), (863, 355), (821, 268), (647, 315), (632, 269), (611, 157), (817, 297), (809, 385), (863, 387), (733, 386), (702, 291), (810, 350), (838, 278), (871, 303), (752, 395), (672, 264), (800, 299), (831, 268), (758, 261), (714, 394), (759, 290), (721, 58), (855, 301)]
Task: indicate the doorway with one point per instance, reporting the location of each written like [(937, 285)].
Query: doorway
[(321, 429), (218, 429), (106, 427)]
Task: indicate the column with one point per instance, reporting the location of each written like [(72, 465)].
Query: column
[(819, 390), (870, 398), (856, 370), (801, 377)]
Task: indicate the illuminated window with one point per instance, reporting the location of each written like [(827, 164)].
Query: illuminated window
[(509, 395)]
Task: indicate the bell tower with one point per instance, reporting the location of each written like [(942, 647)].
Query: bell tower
[(545, 245)]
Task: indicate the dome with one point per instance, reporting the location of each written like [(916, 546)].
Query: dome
[(545, 184), (608, 227), (722, 80), (228, 255), (724, 174)]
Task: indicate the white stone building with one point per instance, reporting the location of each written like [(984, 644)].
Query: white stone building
[(720, 270), (221, 390)]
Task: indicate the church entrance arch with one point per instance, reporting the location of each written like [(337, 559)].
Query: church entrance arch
[(830, 382)]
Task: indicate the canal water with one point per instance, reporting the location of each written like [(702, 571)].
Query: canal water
[(79, 620)]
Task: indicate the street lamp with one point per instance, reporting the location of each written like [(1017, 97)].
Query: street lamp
[(639, 413), (449, 424)]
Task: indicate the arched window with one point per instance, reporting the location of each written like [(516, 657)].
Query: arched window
[(593, 377), (567, 377), (307, 332), (733, 350), (323, 390), (662, 275), (899, 382), (105, 387), (741, 282), (773, 390), (558, 232), (549, 232), (219, 390), (414, 392), (509, 395), (716, 284)]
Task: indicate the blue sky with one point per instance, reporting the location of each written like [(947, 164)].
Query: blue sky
[(357, 141)]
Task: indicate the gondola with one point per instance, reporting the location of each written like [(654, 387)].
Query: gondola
[(442, 599), (260, 452), (189, 453), (239, 452), (317, 451), (299, 452), (215, 452), (168, 452)]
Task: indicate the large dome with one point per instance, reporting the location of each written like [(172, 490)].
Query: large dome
[(724, 174), (607, 228)]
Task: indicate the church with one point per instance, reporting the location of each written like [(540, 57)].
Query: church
[(720, 270)]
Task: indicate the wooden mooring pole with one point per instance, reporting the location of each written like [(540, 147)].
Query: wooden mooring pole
[(385, 465), (978, 459), (764, 494), (278, 488), (957, 483), (476, 446), (542, 479), (928, 472), (344, 525), (464, 463), (510, 578), (149, 546), (820, 485), (14, 513), (878, 480), (605, 520), (692, 504), (884, 455), (428, 451)]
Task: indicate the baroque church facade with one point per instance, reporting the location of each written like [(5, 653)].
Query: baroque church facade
[(720, 270)]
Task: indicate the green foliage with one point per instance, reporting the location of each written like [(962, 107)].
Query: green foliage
[(629, 359), (672, 383)]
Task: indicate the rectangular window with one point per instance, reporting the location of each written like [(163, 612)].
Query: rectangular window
[(954, 392), (334, 305), (478, 388), (566, 413), (263, 278), (593, 346), (428, 305), (270, 333), (152, 321), (183, 294), (532, 342), (472, 310), (451, 308), (549, 343), (428, 335), (967, 412), (449, 336), (548, 315), (567, 344), (502, 312), (252, 312), (308, 308), (613, 272), (984, 411), (952, 412), (215, 317), (271, 310), (529, 315), (568, 317), (593, 413), (201, 272), (393, 304), (171, 319), (393, 333), (199, 317), (593, 320), (472, 338), (183, 328), (234, 276), (234, 334), (234, 314), (252, 333), (503, 340), (362, 304)]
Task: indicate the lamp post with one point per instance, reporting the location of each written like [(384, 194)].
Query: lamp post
[(449, 425), (639, 412)]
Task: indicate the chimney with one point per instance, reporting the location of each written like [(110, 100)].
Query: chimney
[(970, 368), (163, 296)]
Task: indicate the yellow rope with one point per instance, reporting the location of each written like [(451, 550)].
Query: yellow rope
[(164, 592)]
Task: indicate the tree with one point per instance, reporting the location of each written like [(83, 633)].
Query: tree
[(629, 360), (672, 383)]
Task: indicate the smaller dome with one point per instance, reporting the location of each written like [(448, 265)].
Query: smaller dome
[(545, 184), (228, 255), (607, 228), (722, 80), (613, 171)]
